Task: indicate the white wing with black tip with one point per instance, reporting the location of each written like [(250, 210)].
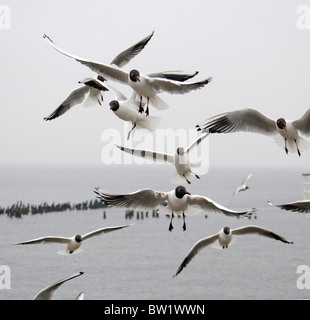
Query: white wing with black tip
[(195, 249), (144, 198), (295, 206), (248, 120), (260, 231), (207, 204), (100, 231)]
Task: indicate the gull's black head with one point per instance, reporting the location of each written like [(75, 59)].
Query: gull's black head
[(134, 75), (78, 238), (226, 230), (281, 123), (180, 151), (180, 192), (114, 105)]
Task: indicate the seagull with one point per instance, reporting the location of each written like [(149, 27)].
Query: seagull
[(144, 85), (286, 132), (180, 201), (48, 292), (73, 243), (90, 91), (92, 87), (127, 110), (243, 185), (180, 159), (296, 206), (224, 237)]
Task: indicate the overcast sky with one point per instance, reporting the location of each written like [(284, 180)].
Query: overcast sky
[(254, 50)]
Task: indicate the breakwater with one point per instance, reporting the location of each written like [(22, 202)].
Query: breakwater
[(19, 209)]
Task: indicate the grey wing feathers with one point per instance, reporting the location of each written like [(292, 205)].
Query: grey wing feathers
[(247, 120), (194, 251), (124, 57), (261, 231), (144, 199), (103, 230), (174, 75), (49, 239), (75, 97), (48, 292), (112, 72), (296, 206), (303, 124), (175, 87), (209, 205)]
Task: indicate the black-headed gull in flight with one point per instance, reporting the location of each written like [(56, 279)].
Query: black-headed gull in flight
[(146, 86), (180, 159), (243, 186), (127, 109), (92, 88), (179, 201), (286, 132), (224, 237), (295, 206), (73, 243), (88, 94), (48, 292)]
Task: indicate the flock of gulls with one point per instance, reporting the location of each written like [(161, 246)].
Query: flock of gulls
[(136, 110)]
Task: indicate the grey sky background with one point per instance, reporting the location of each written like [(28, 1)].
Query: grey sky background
[(257, 56)]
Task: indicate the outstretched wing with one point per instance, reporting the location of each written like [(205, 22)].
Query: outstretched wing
[(296, 206), (124, 57), (111, 72), (176, 87), (49, 239), (178, 75), (207, 204), (103, 230), (258, 230), (196, 142), (48, 292), (144, 199), (303, 124), (195, 249), (248, 120), (75, 97)]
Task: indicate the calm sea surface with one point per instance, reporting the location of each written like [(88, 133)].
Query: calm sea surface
[(139, 262)]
